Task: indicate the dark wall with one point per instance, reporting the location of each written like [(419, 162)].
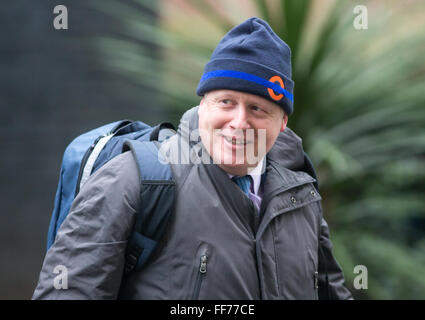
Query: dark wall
[(52, 88)]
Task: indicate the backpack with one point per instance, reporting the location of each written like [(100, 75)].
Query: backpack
[(90, 151)]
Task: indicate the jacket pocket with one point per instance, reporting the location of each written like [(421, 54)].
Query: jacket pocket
[(201, 263), (315, 276), (292, 226)]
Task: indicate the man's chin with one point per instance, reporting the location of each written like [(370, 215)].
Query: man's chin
[(236, 169)]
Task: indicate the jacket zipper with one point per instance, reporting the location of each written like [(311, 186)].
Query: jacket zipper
[(83, 164), (90, 150), (200, 276), (256, 225)]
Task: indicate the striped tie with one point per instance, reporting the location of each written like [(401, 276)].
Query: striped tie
[(244, 183)]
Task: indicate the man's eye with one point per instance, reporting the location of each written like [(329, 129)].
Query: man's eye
[(255, 108), (226, 101)]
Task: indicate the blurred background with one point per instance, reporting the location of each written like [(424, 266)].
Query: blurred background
[(359, 107)]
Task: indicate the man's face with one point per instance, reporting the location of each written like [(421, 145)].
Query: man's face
[(233, 123)]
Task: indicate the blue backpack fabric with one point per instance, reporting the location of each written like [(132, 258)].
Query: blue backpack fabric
[(90, 151)]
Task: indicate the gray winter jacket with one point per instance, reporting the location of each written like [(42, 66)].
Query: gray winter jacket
[(217, 246)]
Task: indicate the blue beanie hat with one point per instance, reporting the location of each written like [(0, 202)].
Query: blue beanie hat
[(253, 59)]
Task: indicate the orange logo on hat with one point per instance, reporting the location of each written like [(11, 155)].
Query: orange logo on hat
[(275, 79)]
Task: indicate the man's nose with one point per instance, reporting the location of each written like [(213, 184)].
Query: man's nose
[(240, 118)]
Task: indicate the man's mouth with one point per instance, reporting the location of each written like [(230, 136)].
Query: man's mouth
[(236, 141)]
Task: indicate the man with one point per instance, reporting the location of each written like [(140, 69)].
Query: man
[(247, 223)]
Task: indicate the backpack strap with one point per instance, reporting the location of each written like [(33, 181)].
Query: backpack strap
[(157, 200), (162, 131)]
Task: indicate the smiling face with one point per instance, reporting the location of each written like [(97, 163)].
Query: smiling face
[(233, 123)]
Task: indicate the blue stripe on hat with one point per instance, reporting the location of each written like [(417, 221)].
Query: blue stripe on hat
[(249, 77)]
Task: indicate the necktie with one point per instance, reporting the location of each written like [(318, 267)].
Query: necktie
[(244, 183)]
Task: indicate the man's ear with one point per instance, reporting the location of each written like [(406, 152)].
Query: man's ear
[(201, 103), (284, 123)]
